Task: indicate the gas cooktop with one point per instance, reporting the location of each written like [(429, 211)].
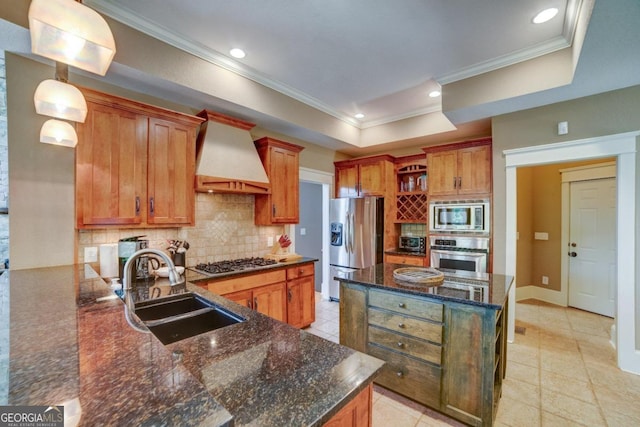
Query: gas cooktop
[(227, 266)]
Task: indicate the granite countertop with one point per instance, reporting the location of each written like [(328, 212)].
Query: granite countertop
[(488, 290), (68, 342), (405, 253)]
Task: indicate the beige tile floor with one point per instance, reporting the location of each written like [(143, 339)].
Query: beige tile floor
[(561, 372)]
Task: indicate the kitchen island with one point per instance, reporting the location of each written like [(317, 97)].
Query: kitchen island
[(66, 341), (445, 346)]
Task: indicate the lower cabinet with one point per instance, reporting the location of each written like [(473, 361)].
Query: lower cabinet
[(286, 294), (269, 300), (446, 355), (301, 296), (356, 413), (420, 261)]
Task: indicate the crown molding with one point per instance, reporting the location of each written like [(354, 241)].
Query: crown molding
[(128, 17)]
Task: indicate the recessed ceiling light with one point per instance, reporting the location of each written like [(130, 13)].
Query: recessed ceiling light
[(545, 15), (434, 94), (237, 53), (359, 116)]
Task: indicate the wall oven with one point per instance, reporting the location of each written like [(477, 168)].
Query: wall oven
[(468, 253)]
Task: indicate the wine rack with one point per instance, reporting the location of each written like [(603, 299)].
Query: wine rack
[(411, 208), (411, 198)]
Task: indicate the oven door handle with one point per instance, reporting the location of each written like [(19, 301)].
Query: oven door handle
[(460, 253)]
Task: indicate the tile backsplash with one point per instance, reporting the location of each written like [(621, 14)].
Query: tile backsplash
[(224, 230), (414, 229)]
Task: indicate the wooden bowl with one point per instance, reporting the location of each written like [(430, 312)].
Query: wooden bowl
[(418, 276)]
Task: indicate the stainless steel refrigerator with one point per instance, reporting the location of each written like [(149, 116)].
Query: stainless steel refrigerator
[(357, 227)]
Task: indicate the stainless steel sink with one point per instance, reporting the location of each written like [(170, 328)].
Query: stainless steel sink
[(183, 316)]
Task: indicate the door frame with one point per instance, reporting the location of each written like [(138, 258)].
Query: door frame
[(624, 146), (326, 180), (569, 175)]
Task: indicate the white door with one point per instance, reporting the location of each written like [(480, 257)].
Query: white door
[(592, 246)]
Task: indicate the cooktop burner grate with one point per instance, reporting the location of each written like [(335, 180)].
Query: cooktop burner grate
[(240, 264)]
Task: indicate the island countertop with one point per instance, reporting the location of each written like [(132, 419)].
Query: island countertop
[(68, 342), (481, 289)]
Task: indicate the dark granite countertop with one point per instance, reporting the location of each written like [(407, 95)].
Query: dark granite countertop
[(68, 342), (405, 253), (481, 289)]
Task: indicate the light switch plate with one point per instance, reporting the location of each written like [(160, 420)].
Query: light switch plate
[(541, 236), (303, 231), (91, 254)]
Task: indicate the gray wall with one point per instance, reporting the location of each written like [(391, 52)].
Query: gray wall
[(310, 244)]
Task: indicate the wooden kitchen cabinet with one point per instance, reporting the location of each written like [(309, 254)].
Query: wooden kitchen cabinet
[(301, 295), (364, 177), (459, 169), (171, 169), (420, 261), (281, 162), (269, 300), (135, 165), (356, 413), (286, 294), (111, 167)]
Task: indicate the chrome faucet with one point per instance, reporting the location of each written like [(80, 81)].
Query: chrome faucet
[(174, 279)]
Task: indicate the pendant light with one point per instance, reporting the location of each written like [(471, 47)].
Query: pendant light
[(57, 132), (70, 32), (60, 100)]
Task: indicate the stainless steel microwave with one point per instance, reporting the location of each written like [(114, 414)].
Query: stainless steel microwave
[(467, 216)]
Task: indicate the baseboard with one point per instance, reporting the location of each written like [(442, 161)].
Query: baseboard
[(542, 294)]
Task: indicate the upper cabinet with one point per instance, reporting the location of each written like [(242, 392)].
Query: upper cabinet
[(459, 169), (135, 165), (281, 162), (363, 177)]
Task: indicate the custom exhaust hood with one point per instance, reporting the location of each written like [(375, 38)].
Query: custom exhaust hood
[(227, 159)]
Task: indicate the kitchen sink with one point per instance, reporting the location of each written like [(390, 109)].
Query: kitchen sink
[(173, 305), (183, 316)]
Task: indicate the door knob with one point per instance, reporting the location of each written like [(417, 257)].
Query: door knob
[(573, 254)]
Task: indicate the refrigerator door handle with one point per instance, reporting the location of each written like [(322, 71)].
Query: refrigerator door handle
[(351, 231), (348, 245)]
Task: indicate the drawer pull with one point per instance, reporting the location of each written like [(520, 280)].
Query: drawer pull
[(401, 325), (400, 345), (399, 374), (402, 305)]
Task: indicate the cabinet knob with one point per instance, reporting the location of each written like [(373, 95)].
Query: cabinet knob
[(399, 374), (401, 325), (402, 305)]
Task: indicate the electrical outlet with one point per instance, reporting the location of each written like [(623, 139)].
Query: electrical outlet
[(545, 280), (303, 231), (270, 241), (91, 254)]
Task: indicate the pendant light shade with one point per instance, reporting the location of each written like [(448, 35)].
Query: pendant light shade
[(70, 32), (57, 132), (60, 100)]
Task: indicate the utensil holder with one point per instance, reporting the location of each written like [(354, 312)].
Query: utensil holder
[(179, 259)]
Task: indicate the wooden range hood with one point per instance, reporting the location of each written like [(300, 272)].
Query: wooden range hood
[(227, 159)]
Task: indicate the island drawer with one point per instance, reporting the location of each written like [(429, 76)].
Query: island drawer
[(419, 328), (420, 349), (417, 380), (405, 304)]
